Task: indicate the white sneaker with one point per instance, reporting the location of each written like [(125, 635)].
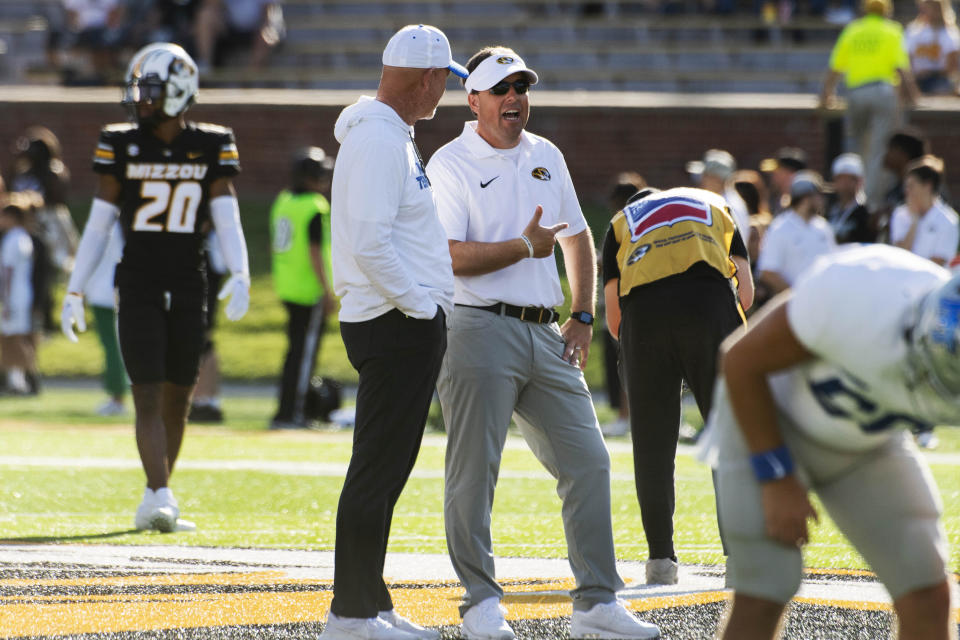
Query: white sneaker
[(619, 427), (111, 408), (159, 511), (338, 628), (610, 620), (142, 518), (395, 619), (485, 621), (661, 571)]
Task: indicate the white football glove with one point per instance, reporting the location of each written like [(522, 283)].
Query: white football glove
[(237, 288), (72, 313)]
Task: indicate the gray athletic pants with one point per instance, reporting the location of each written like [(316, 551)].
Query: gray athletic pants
[(873, 113), (494, 366)]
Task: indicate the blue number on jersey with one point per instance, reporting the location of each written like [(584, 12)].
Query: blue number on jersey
[(832, 392)]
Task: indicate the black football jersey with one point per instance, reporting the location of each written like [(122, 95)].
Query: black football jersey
[(165, 195)]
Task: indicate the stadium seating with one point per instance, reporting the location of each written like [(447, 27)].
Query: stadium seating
[(627, 45)]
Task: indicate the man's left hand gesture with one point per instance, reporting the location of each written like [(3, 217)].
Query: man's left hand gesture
[(577, 336)]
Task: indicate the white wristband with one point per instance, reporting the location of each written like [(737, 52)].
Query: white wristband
[(527, 242)]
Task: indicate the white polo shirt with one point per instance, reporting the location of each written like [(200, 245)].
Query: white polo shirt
[(489, 195), (937, 233), (791, 244), (389, 249)]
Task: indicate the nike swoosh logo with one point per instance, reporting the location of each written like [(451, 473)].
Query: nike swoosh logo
[(483, 185), (191, 155)]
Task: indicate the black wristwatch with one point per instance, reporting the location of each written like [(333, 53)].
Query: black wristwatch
[(583, 316)]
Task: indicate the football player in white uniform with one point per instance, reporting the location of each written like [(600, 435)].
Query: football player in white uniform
[(819, 395)]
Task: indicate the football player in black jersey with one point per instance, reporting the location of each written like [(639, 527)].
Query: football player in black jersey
[(164, 178)]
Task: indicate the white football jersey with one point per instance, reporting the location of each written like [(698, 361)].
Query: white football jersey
[(852, 310)]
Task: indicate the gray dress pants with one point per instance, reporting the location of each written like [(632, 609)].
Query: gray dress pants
[(494, 366)]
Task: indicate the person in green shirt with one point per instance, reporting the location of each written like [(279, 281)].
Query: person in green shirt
[(871, 57), (300, 249)]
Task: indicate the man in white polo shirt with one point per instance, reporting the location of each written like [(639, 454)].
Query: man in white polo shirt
[(797, 236), (505, 197), (925, 224), (392, 273)]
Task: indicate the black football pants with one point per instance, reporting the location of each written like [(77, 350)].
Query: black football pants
[(305, 326), (398, 359), (669, 334)]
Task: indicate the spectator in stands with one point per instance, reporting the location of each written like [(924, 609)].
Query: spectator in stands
[(847, 213), (928, 227), (753, 191), (925, 224), (300, 249), (18, 355), (752, 188), (714, 173), (38, 167), (871, 57), (173, 21), (628, 183), (96, 28), (99, 292), (933, 42), (224, 26), (903, 147), (782, 167), (797, 236)]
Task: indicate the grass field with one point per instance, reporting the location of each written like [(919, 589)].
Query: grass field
[(253, 348), (68, 477)]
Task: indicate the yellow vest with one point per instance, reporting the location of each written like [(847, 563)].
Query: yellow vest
[(670, 231), (870, 49)]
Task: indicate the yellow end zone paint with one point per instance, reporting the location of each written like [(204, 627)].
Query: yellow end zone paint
[(430, 603)]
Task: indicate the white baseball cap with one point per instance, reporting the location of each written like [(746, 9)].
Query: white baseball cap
[(847, 164), (716, 162), (420, 46), (497, 66)]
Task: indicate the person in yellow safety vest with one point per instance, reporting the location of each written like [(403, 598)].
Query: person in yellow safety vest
[(871, 56), (300, 250)]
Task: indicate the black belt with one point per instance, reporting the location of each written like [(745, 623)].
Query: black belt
[(541, 315)]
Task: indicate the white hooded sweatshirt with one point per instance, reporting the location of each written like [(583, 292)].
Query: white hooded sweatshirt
[(389, 248)]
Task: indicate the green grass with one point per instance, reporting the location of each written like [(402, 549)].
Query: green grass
[(91, 496), (253, 348)]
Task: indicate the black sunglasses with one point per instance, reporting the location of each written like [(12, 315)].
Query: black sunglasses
[(502, 87)]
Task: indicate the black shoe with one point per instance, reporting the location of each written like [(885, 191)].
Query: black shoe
[(278, 423), (205, 413)]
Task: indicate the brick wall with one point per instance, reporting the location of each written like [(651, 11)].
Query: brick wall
[(598, 140)]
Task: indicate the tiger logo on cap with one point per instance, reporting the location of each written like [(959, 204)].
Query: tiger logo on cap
[(505, 60)]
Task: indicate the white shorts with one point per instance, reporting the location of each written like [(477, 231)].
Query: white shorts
[(884, 500)]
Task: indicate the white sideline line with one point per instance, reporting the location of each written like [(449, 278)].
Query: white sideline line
[(322, 469)]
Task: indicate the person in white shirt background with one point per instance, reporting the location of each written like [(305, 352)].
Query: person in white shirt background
[(715, 173), (933, 43), (392, 272), (18, 351), (505, 198), (797, 235), (925, 224)]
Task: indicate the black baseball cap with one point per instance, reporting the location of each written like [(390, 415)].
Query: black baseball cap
[(791, 157)]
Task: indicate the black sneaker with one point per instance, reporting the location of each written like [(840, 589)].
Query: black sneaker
[(205, 413)]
